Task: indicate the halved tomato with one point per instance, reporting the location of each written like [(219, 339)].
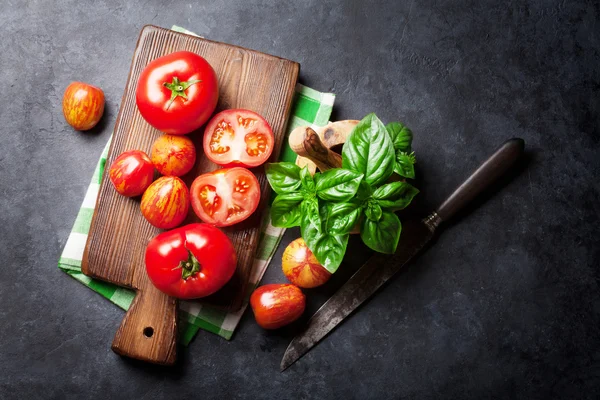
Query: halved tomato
[(226, 196), (238, 138)]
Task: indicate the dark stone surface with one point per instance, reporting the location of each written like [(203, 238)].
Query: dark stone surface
[(504, 305)]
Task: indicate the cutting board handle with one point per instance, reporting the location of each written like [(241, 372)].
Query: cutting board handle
[(492, 168), (148, 331)]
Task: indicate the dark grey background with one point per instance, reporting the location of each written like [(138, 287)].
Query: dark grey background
[(504, 305)]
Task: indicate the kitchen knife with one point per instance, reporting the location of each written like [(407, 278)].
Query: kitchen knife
[(381, 267)]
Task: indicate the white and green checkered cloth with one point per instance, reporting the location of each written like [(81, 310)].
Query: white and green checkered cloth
[(310, 108)]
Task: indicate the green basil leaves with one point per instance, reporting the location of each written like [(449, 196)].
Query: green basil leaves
[(369, 152), (337, 184), (284, 177), (330, 205)]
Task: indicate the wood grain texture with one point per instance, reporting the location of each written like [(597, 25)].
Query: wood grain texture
[(118, 235)]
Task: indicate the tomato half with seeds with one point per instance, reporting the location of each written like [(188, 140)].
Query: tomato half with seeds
[(226, 196), (190, 262), (238, 138)]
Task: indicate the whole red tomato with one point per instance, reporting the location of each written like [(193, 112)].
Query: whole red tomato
[(177, 93), (238, 138), (226, 196), (83, 105), (301, 267), (190, 262), (131, 173), (166, 202), (173, 155), (276, 305)]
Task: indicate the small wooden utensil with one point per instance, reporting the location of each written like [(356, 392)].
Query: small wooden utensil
[(313, 146)]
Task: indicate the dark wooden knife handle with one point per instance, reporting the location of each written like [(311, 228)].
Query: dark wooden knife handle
[(498, 163)]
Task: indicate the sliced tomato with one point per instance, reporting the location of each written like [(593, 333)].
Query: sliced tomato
[(238, 138), (226, 196)]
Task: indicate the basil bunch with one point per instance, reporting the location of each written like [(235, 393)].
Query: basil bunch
[(328, 205)]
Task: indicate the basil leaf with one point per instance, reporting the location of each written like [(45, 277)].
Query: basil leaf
[(383, 235), (369, 151), (342, 217), (373, 211), (401, 136), (284, 177), (364, 192), (286, 210), (395, 196), (405, 165), (337, 184), (329, 250), (308, 183), (310, 210)]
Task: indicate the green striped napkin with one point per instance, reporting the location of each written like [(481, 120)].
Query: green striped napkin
[(310, 108)]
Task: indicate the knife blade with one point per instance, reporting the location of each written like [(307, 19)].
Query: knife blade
[(381, 267)]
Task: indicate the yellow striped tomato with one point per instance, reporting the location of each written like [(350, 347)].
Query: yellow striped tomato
[(166, 202), (83, 105), (173, 155), (277, 305), (131, 173), (301, 267)]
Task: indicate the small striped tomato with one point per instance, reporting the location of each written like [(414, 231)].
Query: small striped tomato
[(166, 202), (131, 173), (173, 155), (83, 105), (301, 267), (276, 305)]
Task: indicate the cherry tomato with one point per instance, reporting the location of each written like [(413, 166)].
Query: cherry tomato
[(226, 196), (276, 305), (166, 202), (173, 155), (238, 138), (190, 262), (83, 105), (131, 173), (301, 267), (177, 93)]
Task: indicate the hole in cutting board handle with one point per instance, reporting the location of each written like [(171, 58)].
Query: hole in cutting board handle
[(148, 331)]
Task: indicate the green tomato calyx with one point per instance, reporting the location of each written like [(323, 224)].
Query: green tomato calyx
[(189, 266), (178, 88)]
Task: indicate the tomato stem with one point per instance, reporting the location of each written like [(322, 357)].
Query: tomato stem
[(178, 88), (190, 266)]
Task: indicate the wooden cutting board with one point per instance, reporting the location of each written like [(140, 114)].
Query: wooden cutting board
[(119, 233)]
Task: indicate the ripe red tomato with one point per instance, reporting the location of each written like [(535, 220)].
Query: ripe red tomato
[(131, 173), (166, 202), (226, 196), (301, 267), (238, 138), (83, 105), (190, 262), (177, 93), (173, 155), (276, 305)]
